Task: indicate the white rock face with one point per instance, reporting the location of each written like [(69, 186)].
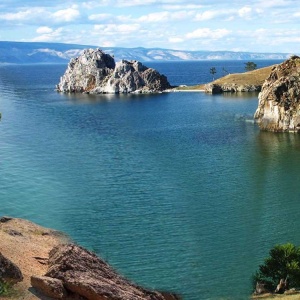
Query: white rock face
[(279, 101), (95, 72)]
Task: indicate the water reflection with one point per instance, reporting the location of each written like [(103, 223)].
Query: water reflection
[(98, 98)]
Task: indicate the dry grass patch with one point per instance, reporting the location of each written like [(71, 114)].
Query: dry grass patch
[(256, 77)]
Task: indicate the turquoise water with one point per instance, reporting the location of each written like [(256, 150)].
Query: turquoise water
[(178, 191)]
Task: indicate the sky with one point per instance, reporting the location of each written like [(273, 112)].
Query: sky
[(254, 26)]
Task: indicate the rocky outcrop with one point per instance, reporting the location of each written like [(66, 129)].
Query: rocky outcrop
[(95, 72), (9, 272), (213, 88), (80, 273), (279, 101)]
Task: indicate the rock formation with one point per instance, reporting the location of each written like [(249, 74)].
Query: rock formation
[(214, 88), (75, 271), (279, 101), (97, 73)]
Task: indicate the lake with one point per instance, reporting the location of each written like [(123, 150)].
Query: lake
[(177, 191)]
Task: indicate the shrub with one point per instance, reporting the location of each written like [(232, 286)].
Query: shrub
[(5, 288), (283, 263)]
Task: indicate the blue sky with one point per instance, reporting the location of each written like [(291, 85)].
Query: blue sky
[(258, 25)]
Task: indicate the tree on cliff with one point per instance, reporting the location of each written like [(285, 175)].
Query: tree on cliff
[(282, 264), (250, 66), (213, 71)]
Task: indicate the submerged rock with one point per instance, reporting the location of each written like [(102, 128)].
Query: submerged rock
[(97, 73), (80, 273), (279, 101)]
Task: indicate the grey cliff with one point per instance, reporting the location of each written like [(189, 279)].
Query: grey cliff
[(279, 101), (96, 72)]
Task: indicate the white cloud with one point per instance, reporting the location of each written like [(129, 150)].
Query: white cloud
[(112, 29), (208, 15), (100, 17), (182, 7), (66, 15), (22, 15), (175, 40), (208, 33), (44, 30), (245, 12), (54, 35), (165, 16)]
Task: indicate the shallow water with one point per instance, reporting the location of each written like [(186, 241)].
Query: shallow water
[(178, 191)]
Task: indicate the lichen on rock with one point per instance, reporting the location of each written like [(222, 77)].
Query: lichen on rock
[(279, 101), (96, 72)]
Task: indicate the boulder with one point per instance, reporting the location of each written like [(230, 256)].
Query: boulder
[(9, 272), (279, 101), (261, 288), (95, 72), (50, 287), (83, 274)]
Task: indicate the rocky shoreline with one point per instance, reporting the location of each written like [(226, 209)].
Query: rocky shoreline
[(214, 88), (41, 263)]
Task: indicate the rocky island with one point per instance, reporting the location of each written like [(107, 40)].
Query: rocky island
[(279, 101), (96, 72)]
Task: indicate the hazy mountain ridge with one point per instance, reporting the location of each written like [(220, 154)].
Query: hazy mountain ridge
[(22, 52)]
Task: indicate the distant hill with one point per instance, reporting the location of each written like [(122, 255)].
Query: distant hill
[(22, 52)]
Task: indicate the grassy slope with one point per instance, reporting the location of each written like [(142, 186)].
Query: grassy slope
[(256, 77)]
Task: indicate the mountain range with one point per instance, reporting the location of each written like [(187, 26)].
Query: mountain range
[(31, 52)]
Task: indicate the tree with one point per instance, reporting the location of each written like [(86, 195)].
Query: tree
[(213, 71), (250, 66), (283, 263)]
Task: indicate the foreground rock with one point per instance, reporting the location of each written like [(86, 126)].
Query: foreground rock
[(75, 272), (279, 101), (25, 247), (95, 72)]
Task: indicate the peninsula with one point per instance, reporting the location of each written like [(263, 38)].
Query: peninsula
[(238, 82)]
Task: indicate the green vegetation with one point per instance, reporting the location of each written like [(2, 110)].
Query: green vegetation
[(6, 289), (250, 66), (283, 263)]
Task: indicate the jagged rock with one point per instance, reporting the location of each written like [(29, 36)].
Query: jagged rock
[(213, 88), (9, 272), (95, 72), (86, 72), (84, 274), (279, 101), (50, 287)]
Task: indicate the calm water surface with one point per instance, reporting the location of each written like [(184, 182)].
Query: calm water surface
[(178, 191)]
